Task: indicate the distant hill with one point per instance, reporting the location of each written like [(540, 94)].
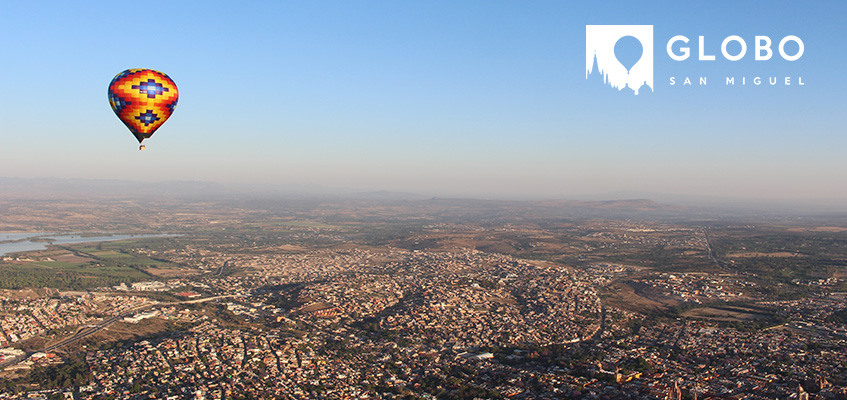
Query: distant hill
[(614, 205), (633, 204), (385, 195)]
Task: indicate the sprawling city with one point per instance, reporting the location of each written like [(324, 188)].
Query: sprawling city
[(383, 296)]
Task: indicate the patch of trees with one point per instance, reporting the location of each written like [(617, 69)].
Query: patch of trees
[(73, 372), (17, 279), (838, 317)]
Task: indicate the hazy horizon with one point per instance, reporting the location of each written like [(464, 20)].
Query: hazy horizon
[(49, 187)]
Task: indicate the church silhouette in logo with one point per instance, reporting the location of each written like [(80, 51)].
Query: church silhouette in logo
[(621, 56)]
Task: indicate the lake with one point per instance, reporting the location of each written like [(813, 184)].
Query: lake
[(18, 242)]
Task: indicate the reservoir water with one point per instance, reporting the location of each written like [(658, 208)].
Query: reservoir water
[(17, 242)]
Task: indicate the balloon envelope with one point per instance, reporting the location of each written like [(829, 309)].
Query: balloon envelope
[(143, 99)]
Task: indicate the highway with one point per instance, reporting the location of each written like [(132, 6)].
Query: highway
[(712, 254)]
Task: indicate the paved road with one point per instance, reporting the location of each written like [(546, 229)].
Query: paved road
[(712, 254)]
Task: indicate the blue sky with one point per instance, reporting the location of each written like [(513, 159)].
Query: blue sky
[(477, 98)]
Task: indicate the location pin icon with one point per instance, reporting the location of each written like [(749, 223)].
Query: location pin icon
[(628, 51)]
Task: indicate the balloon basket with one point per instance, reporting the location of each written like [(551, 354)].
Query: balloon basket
[(142, 147)]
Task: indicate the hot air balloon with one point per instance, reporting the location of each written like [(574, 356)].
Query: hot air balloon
[(143, 99)]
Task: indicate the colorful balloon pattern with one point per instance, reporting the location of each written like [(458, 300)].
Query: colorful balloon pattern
[(143, 99)]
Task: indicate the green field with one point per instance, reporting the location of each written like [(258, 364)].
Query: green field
[(112, 254), (64, 276), (58, 265), (101, 264), (109, 255)]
